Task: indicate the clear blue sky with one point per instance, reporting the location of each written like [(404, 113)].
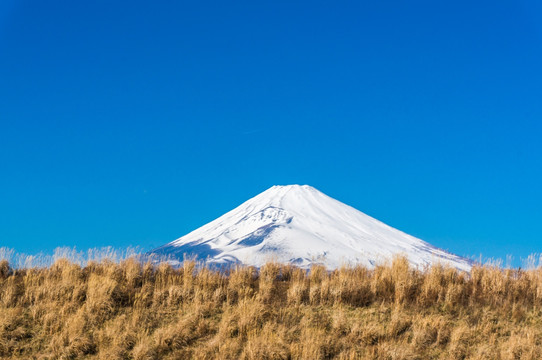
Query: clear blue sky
[(132, 123)]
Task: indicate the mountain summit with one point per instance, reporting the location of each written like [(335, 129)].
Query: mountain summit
[(299, 224)]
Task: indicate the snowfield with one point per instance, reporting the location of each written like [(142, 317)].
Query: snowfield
[(299, 224)]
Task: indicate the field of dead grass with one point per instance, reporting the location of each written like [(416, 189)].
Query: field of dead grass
[(129, 310)]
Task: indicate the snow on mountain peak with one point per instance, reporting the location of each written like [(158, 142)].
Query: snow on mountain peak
[(301, 225)]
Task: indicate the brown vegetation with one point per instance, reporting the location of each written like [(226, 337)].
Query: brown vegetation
[(128, 310)]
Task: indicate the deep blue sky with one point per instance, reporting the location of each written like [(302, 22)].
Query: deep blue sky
[(132, 123)]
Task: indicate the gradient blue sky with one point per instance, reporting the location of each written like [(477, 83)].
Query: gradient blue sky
[(132, 123)]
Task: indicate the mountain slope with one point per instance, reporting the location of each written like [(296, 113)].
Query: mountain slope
[(301, 225)]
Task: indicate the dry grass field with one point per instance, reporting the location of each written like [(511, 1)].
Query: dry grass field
[(126, 310)]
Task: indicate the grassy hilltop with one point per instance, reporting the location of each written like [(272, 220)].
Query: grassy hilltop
[(127, 310)]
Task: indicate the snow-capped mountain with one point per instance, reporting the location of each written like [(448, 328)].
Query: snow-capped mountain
[(299, 224)]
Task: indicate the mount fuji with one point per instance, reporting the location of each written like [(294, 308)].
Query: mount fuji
[(300, 225)]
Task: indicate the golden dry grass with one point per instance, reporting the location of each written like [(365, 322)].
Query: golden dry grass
[(127, 310)]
